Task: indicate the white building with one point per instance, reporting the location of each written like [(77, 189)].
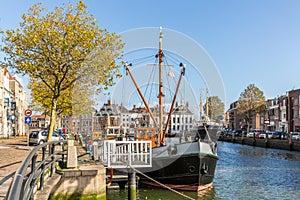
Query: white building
[(13, 103)]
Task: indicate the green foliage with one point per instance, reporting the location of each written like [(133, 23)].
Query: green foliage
[(60, 49), (215, 108), (251, 102)]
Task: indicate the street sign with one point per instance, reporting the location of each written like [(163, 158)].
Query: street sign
[(28, 120), (28, 112)]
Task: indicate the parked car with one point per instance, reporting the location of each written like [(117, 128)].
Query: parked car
[(295, 135), (277, 135), (264, 135), (238, 133), (250, 134), (39, 137), (228, 133), (254, 133)]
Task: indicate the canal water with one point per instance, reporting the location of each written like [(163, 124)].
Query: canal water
[(243, 172)]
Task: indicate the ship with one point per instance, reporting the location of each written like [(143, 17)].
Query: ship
[(188, 164)]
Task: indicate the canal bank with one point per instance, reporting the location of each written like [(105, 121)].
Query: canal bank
[(293, 145)]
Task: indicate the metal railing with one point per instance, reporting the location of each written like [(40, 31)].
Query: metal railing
[(31, 173), (126, 154)]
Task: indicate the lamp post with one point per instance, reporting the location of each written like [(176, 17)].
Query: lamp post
[(13, 117), (267, 123)]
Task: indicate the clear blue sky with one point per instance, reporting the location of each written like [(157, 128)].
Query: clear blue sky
[(250, 41)]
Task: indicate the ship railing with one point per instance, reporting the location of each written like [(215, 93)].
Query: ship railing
[(126, 154)]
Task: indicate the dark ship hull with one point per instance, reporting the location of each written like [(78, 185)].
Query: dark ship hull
[(186, 166)]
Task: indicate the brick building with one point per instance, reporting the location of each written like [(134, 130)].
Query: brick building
[(282, 114)]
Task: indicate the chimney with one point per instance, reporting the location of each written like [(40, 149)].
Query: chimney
[(109, 102)]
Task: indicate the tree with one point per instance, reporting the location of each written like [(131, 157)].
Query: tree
[(60, 49), (251, 102), (69, 102), (215, 108)]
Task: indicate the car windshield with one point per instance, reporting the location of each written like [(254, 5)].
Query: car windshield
[(55, 134), (34, 134), (44, 133)]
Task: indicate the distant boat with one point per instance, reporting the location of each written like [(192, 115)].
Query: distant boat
[(188, 164)]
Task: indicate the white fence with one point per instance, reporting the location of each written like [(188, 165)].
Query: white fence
[(126, 154)]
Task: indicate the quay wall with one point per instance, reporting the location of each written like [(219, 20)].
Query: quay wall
[(293, 145), (88, 181)]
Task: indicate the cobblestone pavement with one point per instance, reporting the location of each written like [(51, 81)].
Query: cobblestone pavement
[(12, 153)]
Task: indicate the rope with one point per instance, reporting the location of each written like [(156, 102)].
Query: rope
[(162, 184), (151, 80), (207, 133), (169, 85), (140, 59)]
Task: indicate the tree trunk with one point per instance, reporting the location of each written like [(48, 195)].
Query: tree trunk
[(248, 128), (52, 119)]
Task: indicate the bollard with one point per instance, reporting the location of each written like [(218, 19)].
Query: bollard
[(131, 185)]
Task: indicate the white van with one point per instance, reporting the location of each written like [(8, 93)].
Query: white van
[(40, 137)]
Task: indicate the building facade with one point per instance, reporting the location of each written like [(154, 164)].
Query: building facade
[(282, 114), (13, 103)]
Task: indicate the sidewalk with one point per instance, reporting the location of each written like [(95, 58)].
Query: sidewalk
[(14, 150), (12, 153)]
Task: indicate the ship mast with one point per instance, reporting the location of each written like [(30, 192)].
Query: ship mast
[(200, 105), (206, 115), (160, 94)]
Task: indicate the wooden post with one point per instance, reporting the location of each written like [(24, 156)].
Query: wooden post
[(131, 185)]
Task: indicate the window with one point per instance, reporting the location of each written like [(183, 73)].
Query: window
[(296, 113), (295, 102)]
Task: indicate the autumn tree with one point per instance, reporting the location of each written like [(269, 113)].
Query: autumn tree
[(251, 102), (60, 49), (72, 101), (214, 107)]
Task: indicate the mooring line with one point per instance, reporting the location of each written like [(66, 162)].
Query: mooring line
[(162, 184)]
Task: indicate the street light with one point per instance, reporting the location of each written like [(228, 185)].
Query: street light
[(14, 117)]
